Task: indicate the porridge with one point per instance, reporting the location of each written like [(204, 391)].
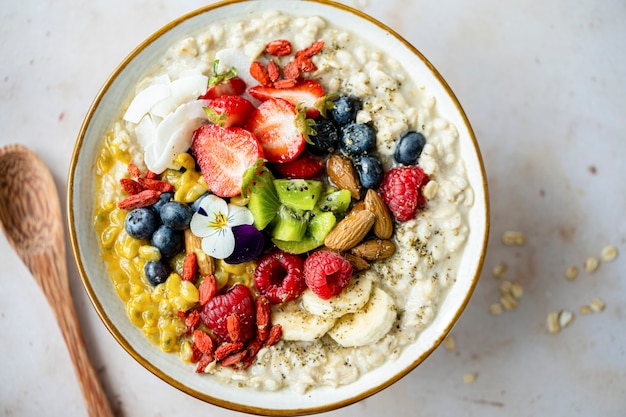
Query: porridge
[(280, 205)]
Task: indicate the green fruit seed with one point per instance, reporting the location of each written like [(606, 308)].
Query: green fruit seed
[(337, 201)]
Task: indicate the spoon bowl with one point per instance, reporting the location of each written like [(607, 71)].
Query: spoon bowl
[(30, 216)]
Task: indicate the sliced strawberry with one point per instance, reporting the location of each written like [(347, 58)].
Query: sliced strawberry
[(224, 154), (231, 86), (307, 92), (229, 110), (305, 166), (275, 123)]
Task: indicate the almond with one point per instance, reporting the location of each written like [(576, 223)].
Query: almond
[(383, 226), (375, 249), (341, 172), (206, 264), (350, 231), (358, 264)]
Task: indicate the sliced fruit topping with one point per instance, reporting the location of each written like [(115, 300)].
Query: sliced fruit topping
[(320, 224), (290, 225), (224, 154), (335, 201), (327, 273), (297, 193), (369, 325), (275, 124), (223, 83), (279, 276), (229, 110), (299, 324), (308, 92), (258, 187), (304, 166), (238, 302), (401, 191), (350, 300)]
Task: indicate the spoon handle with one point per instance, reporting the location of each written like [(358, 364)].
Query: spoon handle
[(44, 266)]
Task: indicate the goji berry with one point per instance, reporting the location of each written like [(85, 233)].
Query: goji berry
[(291, 71), (226, 349), (134, 171), (158, 185), (234, 327), (278, 47), (259, 73), (311, 50), (131, 186), (273, 71), (204, 361), (286, 83), (190, 267), (192, 320), (275, 334), (207, 289), (203, 341), (142, 199), (233, 359), (262, 317)]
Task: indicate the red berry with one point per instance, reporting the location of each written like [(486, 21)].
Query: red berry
[(327, 273), (308, 92), (401, 190), (224, 154), (238, 301), (275, 125), (234, 85), (229, 110), (305, 166), (279, 276)]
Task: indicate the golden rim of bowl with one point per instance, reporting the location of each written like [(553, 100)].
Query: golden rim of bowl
[(218, 401)]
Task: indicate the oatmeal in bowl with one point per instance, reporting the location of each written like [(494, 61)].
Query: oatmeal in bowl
[(264, 200)]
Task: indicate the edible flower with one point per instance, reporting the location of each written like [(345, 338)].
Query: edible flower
[(213, 222)]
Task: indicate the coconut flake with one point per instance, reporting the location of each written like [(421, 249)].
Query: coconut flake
[(147, 98)]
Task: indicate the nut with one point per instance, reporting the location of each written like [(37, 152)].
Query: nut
[(341, 172), (206, 264), (374, 249), (383, 226), (350, 231), (358, 264)]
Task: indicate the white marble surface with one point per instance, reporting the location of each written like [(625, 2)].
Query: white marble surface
[(544, 86)]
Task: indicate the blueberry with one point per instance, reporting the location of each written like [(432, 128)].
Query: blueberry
[(357, 139), (409, 148), (141, 222), (326, 138), (196, 203), (345, 109), (164, 198), (168, 241), (156, 272), (370, 171), (176, 215)]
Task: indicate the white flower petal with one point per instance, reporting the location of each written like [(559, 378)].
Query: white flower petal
[(220, 245), (212, 204), (239, 215)]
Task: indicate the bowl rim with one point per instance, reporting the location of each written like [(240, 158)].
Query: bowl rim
[(76, 251)]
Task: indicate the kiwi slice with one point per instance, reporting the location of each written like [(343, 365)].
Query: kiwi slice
[(290, 224), (336, 201), (298, 194), (263, 200), (320, 224)]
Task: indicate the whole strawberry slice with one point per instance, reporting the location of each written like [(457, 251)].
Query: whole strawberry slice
[(401, 190), (229, 110), (308, 92), (279, 128), (237, 301), (224, 154), (305, 166)]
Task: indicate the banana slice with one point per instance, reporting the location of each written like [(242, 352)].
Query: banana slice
[(368, 325), (298, 324), (350, 300)]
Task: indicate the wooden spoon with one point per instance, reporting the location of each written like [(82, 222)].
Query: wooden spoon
[(30, 215)]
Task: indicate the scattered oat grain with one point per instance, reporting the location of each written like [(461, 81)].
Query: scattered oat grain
[(496, 309), (468, 378), (505, 287), (585, 310), (571, 273), (552, 322), (609, 253), (508, 302), (591, 264), (565, 318), (512, 237), (429, 191), (449, 343), (500, 270), (596, 305), (517, 291)]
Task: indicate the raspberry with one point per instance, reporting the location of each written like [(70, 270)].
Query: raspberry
[(327, 273), (279, 276), (401, 191), (238, 301)]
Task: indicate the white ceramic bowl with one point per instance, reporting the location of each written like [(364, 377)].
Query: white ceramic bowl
[(169, 367)]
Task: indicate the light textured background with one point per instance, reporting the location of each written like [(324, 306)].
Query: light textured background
[(543, 85)]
